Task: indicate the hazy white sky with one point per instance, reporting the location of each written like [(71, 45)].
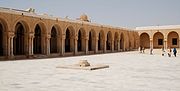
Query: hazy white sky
[(122, 13)]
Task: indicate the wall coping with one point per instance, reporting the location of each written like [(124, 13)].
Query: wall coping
[(45, 16)]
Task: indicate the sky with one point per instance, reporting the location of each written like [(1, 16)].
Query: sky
[(121, 13)]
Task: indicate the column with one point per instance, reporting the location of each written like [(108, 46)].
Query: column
[(10, 45), (96, 45), (86, 44), (165, 43), (118, 44), (124, 46), (151, 44), (112, 45), (104, 42), (75, 45), (48, 44), (63, 45), (179, 43), (30, 47)]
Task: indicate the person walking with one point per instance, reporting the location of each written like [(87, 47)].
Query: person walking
[(151, 51), (143, 49), (169, 52), (140, 49), (175, 52), (163, 52)]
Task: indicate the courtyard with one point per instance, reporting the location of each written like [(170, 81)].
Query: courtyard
[(128, 71)]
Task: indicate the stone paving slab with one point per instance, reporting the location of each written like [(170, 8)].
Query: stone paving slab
[(92, 67)]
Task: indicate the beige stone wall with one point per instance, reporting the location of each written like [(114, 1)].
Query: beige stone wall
[(120, 39), (167, 34), (145, 40)]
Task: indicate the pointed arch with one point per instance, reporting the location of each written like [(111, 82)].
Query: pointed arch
[(81, 40), (131, 40), (122, 41), (3, 36), (37, 46), (1, 40), (158, 40), (101, 38), (109, 41), (145, 40), (116, 39), (53, 40), (92, 40), (69, 39), (19, 40), (173, 40)]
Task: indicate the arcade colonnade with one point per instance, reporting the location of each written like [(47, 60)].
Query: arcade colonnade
[(160, 36), (24, 35)]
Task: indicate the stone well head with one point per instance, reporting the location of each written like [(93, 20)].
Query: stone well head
[(84, 63)]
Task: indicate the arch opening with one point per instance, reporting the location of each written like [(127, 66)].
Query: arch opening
[(53, 40), (109, 41), (1, 40), (100, 41), (81, 44), (37, 40), (69, 41), (79, 40), (116, 41), (19, 40), (122, 42), (173, 40), (145, 40), (158, 40), (91, 41)]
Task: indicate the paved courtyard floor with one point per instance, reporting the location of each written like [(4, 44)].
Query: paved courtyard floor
[(129, 71)]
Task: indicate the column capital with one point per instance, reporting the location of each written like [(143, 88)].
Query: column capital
[(48, 36), (86, 38), (151, 39), (97, 38), (63, 37), (11, 34), (76, 38), (31, 35)]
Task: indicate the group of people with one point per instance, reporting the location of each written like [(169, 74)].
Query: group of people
[(142, 49), (169, 51)]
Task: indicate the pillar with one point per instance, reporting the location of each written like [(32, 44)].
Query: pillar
[(124, 46), (151, 44), (165, 43), (30, 44), (86, 45), (10, 45), (96, 44), (48, 44), (112, 45), (75, 45), (179, 43), (118, 44), (63, 45), (104, 42)]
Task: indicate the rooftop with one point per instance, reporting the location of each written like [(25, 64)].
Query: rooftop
[(158, 27), (31, 12)]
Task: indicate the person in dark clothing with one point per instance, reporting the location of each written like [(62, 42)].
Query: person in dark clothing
[(175, 52)]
